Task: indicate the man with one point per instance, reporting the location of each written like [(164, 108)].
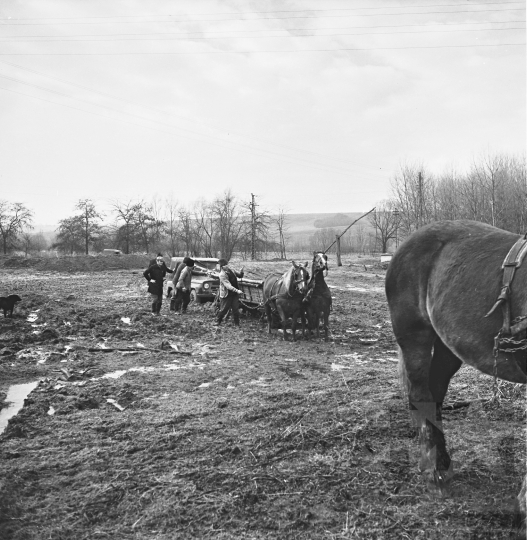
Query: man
[(155, 274), (172, 285), (183, 285), (229, 292)]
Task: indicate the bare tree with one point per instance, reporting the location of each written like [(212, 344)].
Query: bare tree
[(127, 232), (145, 223), (26, 238), (70, 235), (205, 221), (385, 221), (281, 224), (14, 217), (230, 223), (171, 224), (256, 227), (323, 238), (89, 218), (158, 225), (187, 230), (413, 189)]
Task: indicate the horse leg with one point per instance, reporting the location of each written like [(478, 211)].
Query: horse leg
[(326, 324), (443, 367), (293, 326), (303, 318), (269, 316), (294, 322), (283, 320), (415, 363), (317, 323)]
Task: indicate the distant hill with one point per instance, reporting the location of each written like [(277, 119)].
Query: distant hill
[(308, 224)]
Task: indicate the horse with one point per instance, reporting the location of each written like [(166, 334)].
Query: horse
[(286, 292), (318, 298), (441, 286)]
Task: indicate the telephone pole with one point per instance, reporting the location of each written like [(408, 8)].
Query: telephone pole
[(420, 220), (253, 206)]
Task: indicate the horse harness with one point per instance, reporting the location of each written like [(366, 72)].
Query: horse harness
[(508, 339), (287, 294)]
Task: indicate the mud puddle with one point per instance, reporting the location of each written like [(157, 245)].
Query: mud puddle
[(16, 394)]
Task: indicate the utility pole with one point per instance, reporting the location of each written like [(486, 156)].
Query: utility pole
[(420, 219), (253, 227), (337, 240), (396, 217)]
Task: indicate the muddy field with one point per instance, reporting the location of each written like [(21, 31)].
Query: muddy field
[(148, 427)]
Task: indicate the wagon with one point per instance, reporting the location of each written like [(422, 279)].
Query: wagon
[(252, 300), (253, 303)]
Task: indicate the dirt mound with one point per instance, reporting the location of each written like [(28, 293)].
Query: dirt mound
[(88, 263)]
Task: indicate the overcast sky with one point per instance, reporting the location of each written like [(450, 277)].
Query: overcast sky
[(312, 105)]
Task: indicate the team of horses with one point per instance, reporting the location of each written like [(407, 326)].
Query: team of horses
[(297, 294)]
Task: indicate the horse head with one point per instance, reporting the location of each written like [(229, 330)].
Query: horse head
[(299, 278), (320, 262)]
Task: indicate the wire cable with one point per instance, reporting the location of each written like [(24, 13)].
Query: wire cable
[(252, 150), (284, 29), (471, 4), (179, 116), (199, 38), (276, 18), (348, 49)]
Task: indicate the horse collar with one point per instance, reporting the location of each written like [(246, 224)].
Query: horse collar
[(512, 261)]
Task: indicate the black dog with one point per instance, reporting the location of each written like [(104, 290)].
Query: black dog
[(7, 304)]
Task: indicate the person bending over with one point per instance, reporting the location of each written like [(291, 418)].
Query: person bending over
[(229, 292), (183, 286)]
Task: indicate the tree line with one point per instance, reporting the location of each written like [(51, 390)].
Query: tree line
[(493, 191), (214, 228)]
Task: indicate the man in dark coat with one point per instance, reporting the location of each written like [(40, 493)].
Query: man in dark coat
[(155, 275), (229, 292)]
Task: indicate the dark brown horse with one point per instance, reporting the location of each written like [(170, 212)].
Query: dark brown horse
[(318, 298), (283, 294), (440, 285)]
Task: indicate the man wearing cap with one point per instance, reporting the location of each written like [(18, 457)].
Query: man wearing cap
[(155, 274), (182, 285), (229, 292)]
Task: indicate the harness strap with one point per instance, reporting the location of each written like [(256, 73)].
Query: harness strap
[(512, 261)]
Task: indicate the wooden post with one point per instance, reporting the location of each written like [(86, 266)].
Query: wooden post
[(339, 262)]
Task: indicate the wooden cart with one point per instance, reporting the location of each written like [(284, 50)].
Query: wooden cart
[(252, 299)]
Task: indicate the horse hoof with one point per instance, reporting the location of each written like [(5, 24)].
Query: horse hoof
[(438, 482)]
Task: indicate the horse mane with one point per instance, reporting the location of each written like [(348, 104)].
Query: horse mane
[(288, 281)]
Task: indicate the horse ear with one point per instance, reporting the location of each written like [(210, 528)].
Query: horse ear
[(306, 264), (314, 253), (294, 263)]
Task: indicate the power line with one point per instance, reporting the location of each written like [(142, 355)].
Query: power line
[(471, 4), (277, 18), (283, 29), (350, 49), (179, 116), (59, 39), (252, 150)]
